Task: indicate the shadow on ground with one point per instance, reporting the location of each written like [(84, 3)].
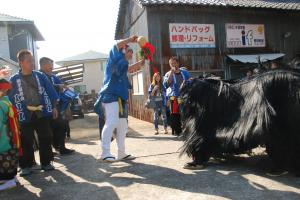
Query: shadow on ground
[(161, 137), (78, 177), (57, 185)]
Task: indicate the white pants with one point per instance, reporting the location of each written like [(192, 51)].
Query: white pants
[(113, 121)]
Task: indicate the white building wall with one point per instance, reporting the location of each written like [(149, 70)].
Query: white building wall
[(93, 75), (4, 44)]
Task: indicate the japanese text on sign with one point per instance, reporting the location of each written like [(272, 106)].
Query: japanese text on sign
[(245, 35), (192, 35)]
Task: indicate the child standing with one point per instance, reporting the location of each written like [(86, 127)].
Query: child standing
[(9, 139)]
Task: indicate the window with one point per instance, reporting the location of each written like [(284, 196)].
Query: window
[(81, 89), (138, 83)]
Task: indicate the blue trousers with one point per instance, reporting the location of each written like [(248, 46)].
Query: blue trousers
[(160, 111)]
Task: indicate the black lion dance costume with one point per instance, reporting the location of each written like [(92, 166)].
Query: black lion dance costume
[(221, 117)]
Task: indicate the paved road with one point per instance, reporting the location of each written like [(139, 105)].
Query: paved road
[(156, 174)]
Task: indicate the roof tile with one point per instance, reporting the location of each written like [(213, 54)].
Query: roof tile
[(9, 18), (274, 4)]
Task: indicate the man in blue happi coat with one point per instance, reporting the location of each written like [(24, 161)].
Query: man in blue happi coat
[(173, 81), (114, 96), (35, 99), (58, 125)]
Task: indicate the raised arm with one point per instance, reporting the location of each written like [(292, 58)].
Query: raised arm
[(124, 42), (168, 79), (138, 64)]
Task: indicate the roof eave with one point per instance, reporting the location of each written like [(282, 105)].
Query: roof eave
[(68, 62), (219, 5), (30, 26), (12, 20), (37, 34)]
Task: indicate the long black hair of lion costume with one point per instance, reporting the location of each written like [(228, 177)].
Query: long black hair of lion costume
[(220, 117)]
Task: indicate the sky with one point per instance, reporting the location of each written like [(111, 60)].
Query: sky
[(70, 27)]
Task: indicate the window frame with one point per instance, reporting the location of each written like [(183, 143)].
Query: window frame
[(139, 82)]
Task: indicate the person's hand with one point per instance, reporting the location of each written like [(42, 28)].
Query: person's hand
[(133, 39), (55, 113), (4, 72)]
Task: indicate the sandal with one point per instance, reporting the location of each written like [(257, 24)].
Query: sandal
[(108, 159), (128, 157)]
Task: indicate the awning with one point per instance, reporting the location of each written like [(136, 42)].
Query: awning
[(253, 58), (70, 74)]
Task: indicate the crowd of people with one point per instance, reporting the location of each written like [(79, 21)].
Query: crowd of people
[(35, 102), (111, 106), (31, 102), (165, 96)]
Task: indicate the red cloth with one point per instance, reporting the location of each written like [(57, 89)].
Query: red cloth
[(175, 107), (148, 51), (5, 86), (14, 127)]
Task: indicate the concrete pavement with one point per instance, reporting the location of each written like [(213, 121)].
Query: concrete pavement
[(156, 173)]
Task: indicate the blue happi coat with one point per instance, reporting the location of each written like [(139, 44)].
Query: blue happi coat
[(173, 89), (63, 100), (48, 95), (55, 80), (115, 83)]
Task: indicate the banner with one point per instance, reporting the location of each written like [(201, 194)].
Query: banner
[(192, 35), (245, 35)]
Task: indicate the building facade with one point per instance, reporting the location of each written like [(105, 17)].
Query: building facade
[(16, 34), (84, 72), (207, 36)]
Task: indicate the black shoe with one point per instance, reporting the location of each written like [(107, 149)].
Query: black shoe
[(48, 168), (66, 151)]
